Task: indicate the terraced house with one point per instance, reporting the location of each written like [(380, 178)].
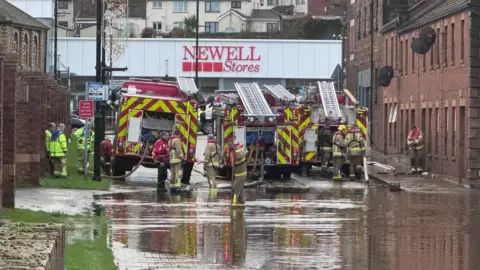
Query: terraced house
[(438, 91)]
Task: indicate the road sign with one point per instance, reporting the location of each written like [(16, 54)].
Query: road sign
[(96, 91), (86, 109)]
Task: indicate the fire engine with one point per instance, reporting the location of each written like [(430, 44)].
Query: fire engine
[(148, 107), (278, 127)]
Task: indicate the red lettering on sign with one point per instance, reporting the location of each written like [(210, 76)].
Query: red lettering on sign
[(221, 59)]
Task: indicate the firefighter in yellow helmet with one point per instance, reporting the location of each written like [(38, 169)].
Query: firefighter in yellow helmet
[(177, 158), (212, 160), (58, 152), (355, 150), (338, 151), (240, 172)]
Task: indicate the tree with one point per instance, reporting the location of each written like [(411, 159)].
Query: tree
[(190, 25), (148, 32)]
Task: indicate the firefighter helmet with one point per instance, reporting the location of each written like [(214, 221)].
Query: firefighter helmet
[(342, 128)]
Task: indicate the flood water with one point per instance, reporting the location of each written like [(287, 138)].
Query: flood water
[(331, 229)]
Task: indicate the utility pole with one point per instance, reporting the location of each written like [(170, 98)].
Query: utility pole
[(99, 129), (196, 41), (55, 38), (372, 74)]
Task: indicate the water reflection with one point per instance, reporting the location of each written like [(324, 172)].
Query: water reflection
[(236, 248)]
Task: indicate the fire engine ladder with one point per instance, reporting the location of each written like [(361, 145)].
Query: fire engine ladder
[(329, 100), (187, 85), (280, 92), (253, 99)]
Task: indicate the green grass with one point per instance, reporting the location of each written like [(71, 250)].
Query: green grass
[(79, 253), (74, 180)]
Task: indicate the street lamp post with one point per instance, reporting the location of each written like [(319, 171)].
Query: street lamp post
[(55, 38), (197, 26)]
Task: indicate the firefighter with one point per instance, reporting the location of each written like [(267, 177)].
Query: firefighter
[(177, 158), (161, 156), (106, 153), (212, 160), (416, 151), (355, 150), (58, 152), (325, 137), (240, 172), (338, 151), (80, 137), (51, 127)]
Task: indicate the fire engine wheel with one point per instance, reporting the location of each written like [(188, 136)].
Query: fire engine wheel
[(207, 128)]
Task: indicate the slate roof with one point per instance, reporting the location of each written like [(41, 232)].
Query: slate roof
[(433, 13), (284, 10), (11, 14), (265, 14)]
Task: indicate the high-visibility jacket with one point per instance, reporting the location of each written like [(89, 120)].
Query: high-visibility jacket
[(160, 151), (338, 144), (240, 158), (58, 144), (48, 137), (80, 136), (355, 142), (176, 150), (415, 137), (212, 154)]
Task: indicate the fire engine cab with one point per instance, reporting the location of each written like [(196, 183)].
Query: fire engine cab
[(148, 107)]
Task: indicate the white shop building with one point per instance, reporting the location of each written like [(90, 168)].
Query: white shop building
[(222, 62)]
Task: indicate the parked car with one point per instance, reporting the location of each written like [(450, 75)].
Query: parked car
[(76, 122)]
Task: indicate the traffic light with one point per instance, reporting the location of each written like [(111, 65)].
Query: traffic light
[(424, 42), (385, 76)]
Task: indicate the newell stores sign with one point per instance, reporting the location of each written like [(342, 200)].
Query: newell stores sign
[(218, 58)]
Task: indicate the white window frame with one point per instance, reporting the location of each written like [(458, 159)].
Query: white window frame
[(178, 24), (180, 6), (155, 26), (157, 4), (210, 24)]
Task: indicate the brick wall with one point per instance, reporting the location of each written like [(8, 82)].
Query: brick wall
[(29, 100), (432, 96), (473, 153)]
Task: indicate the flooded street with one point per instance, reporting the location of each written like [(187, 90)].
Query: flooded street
[(349, 227)]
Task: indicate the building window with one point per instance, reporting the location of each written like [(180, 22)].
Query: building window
[(178, 25), (454, 130), (401, 57), (63, 23), (365, 21), (359, 28), (351, 37), (438, 47), (272, 27), (299, 2), (156, 4), (424, 61), (236, 4), (452, 46), (432, 56), (446, 123), (15, 45), (445, 45), (391, 51), (35, 52), (396, 52), (212, 6), (462, 40), (180, 6), (25, 50), (211, 27), (272, 2), (157, 26), (62, 4), (413, 59), (386, 51)]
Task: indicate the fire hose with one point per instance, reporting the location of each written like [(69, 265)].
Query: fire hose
[(132, 171)]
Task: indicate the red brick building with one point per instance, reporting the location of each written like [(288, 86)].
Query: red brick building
[(436, 91), (29, 99)]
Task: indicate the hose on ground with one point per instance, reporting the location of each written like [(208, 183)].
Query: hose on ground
[(131, 172)]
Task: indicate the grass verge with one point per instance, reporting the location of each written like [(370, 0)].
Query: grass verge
[(79, 253), (74, 180)]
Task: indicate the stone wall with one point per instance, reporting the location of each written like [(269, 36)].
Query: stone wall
[(29, 100)]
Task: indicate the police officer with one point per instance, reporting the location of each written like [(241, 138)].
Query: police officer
[(240, 173), (355, 150), (81, 137), (338, 151), (58, 152), (177, 158), (212, 157), (51, 127), (325, 138)]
